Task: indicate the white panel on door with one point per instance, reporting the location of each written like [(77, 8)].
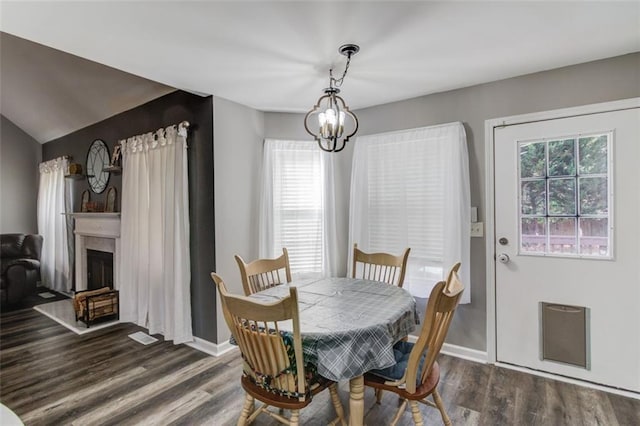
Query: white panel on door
[(567, 203)]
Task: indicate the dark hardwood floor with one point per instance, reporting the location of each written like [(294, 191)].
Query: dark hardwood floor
[(51, 376)]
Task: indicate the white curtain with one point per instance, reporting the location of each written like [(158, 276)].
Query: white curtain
[(155, 270), (52, 225), (297, 207), (411, 189)]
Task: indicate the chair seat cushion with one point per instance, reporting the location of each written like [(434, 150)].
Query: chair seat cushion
[(401, 352), (313, 380), (425, 389)]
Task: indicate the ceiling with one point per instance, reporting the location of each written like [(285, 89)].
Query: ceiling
[(275, 55)]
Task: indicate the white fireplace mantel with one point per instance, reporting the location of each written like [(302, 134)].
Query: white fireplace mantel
[(96, 231)]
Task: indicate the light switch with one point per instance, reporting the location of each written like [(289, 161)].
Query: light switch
[(477, 229)]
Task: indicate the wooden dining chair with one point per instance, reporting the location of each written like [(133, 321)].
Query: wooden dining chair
[(274, 371), (264, 273), (382, 267), (416, 373)]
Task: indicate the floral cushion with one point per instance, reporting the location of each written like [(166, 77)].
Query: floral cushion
[(312, 378)]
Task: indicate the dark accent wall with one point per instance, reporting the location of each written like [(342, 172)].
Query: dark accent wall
[(162, 112)]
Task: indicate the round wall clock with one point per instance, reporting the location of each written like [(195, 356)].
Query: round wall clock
[(97, 161)]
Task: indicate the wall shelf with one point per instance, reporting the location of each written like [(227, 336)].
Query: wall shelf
[(116, 170), (94, 214)]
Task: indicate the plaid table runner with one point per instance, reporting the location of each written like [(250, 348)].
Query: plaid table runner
[(348, 325)]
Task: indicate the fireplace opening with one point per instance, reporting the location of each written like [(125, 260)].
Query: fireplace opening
[(99, 269)]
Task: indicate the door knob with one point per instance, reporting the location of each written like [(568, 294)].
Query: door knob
[(503, 258)]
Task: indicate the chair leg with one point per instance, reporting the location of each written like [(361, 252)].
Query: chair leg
[(415, 412), (295, 418), (440, 405), (247, 408), (399, 413), (379, 396), (337, 405)]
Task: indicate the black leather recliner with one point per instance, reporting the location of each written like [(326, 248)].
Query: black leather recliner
[(20, 266)]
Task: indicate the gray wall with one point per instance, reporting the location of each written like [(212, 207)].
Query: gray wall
[(238, 135), (599, 81), (20, 155)]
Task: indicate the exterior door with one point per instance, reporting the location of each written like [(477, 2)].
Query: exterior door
[(567, 207)]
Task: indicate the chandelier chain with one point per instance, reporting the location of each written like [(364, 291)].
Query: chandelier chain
[(338, 81)]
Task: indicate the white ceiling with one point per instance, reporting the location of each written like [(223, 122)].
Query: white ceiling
[(275, 55)]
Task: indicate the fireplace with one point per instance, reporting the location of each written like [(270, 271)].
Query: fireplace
[(99, 269), (97, 250)]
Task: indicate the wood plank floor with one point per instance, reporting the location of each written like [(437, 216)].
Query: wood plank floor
[(51, 376)]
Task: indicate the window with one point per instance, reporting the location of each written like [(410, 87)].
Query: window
[(411, 189), (297, 190), (565, 197)]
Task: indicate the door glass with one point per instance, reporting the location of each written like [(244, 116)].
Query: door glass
[(565, 196), (533, 235), (593, 196), (562, 197), (593, 154), (533, 159), (562, 158), (562, 235), (534, 197), (593, 236)]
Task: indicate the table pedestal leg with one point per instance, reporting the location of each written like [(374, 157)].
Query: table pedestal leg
[(356, 401)]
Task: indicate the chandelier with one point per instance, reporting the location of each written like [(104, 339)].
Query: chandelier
[(329, 113)]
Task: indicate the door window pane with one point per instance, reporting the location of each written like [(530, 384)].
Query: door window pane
[(593, 154), (534, 235), (562, 158), (593, 196), (534, 196), (562, 235), (562, 197), (594, 239), (533, 159)]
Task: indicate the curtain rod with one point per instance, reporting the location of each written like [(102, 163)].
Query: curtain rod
[(182, 125)]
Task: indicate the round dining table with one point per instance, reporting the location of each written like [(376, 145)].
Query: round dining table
[(348, 327)]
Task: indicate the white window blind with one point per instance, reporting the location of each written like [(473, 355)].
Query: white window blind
[(295, 201), (411, 189), (406, 203)]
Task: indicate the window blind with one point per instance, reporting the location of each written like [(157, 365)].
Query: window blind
[(410, 189), (406, 199), (297, 208), (297, 202)]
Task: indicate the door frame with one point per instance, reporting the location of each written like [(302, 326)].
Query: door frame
[(490, 126)]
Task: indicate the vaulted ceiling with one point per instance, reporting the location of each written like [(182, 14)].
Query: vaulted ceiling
[(65, 65)]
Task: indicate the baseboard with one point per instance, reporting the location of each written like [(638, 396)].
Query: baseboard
[(211, 348), (464, 353), (460, 352), (591, 385), (481, 357)]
